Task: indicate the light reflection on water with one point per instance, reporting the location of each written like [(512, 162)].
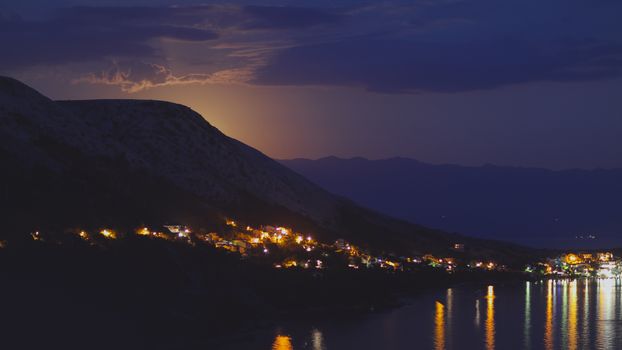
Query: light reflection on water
[(548, 328), (606, 314), (439, 327), (527, 322), (574, 315), (282, 342), (449, 298), (585, 321), (490, 318), (317, 340)]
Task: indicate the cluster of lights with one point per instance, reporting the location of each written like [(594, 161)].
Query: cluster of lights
[(143, 232), (110, 234), (281, 236), (601, 264)]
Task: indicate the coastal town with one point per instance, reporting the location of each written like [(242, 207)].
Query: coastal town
[(284, 248), (579, 264)]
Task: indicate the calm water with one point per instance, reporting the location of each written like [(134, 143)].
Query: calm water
[(583, 314)]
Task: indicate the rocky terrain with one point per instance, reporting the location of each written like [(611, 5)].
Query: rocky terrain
[(129, 162)]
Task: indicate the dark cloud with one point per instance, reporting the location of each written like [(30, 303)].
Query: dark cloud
[(271, 17), (80, 39), (239, 16), (80, 34), (392, 47), (460, 45), (411, 66)]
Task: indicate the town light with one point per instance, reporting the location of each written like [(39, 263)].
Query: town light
[(108, 234), (143, 231), (572, 259), (36, 236), (318, 264)]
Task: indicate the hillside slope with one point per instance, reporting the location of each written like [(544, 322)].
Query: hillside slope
[(127, 162)]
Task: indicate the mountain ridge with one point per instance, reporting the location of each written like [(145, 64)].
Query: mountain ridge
[(417, 161), (95, 162), (520, 204)]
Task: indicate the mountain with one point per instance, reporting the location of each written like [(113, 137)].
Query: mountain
[(125, 163), (530, 206)]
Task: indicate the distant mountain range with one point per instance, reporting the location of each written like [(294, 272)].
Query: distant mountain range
[(126, 163), (539, 207)]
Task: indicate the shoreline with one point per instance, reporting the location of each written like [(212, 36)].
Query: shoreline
[(173, 296), (352, 312)]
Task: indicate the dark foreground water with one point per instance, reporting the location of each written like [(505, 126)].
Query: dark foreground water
[(580, 314)]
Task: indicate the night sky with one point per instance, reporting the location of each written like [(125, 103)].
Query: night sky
[(514, 82)]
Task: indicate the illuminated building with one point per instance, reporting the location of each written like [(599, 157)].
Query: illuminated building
[(605, 257), (449, 261), (241, 244), (143, 231), (110, 234), (573, 259), (459, 247), (340, 244), (177, 229), (587, 257)]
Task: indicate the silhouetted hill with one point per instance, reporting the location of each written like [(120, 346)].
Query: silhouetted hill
[(525, 205), (123, 163)]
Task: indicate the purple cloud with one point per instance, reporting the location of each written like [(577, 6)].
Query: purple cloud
[(82, 34), (273, 17), (411, 66), (65, 40), (401, 47)]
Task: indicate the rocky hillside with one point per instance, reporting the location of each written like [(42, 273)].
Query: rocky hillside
[(127, 162), (176, 143)]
